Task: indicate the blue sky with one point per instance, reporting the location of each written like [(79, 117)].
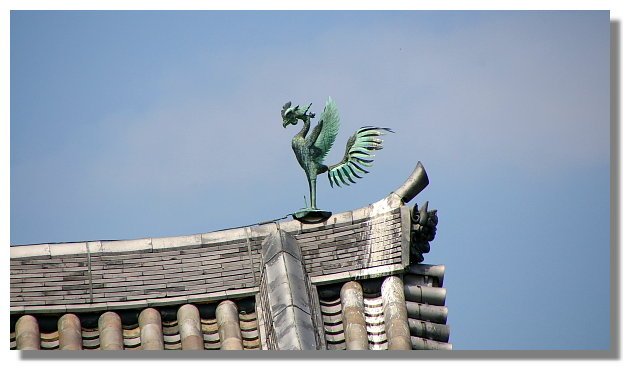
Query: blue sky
[(136, 124)]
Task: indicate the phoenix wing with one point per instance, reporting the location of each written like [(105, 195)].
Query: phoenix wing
[(357, 156), (326, 130)]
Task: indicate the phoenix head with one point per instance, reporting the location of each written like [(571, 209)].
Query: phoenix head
[(291, 115)]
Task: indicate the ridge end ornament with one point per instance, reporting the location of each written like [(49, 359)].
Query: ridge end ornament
[(311, 149)]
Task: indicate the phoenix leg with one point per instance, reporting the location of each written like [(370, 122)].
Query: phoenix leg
[(312, 192)]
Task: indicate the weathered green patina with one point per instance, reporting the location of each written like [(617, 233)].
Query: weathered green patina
[(311, 151)]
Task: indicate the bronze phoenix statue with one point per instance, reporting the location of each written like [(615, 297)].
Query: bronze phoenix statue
[(311, 151)]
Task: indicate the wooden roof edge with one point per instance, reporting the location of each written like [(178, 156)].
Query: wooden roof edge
[(77, 308), (365, 273)]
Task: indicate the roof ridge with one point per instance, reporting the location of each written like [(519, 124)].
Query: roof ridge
[(410, 188)]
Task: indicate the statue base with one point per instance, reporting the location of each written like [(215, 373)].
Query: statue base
[(311, 216)]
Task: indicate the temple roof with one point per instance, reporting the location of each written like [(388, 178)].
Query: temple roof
[(204, 267), (84, 282)]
